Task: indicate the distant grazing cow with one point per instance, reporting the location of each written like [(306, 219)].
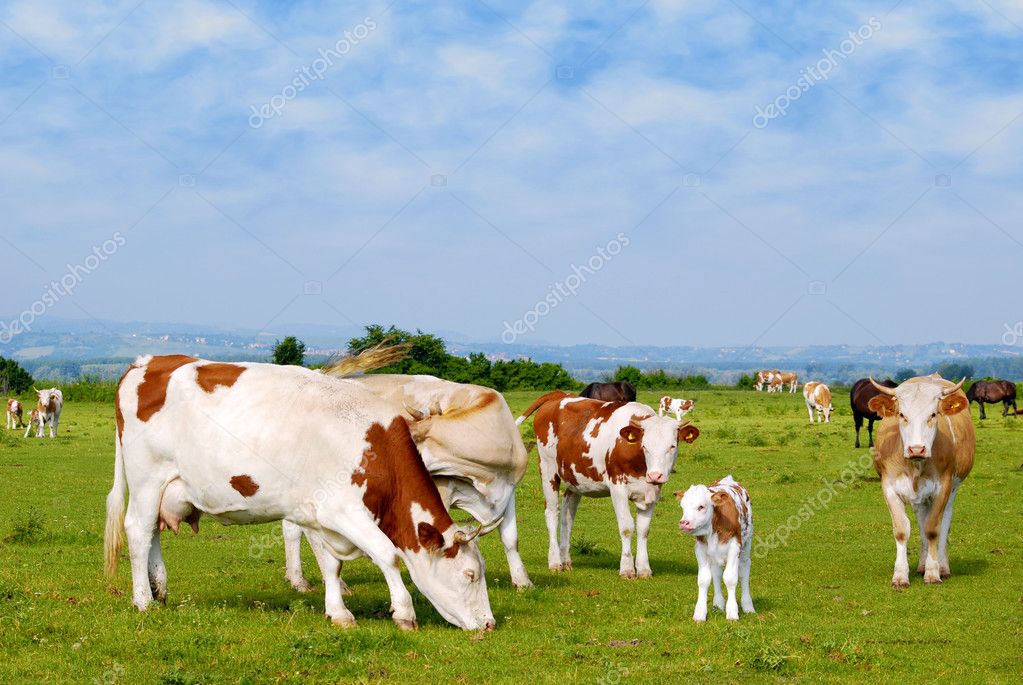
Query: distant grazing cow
[(859, 397), (197, 437), (14, 414), (818, 397), (791, 379), (600, 449), (764, 378), (470, 445), (992, 392), (925, 447), (49, 404), (678, 407), (775, 385), (618, 391), (720, 517)]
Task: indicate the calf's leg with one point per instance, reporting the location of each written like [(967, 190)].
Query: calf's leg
[(702, 581), (731, 579), (719, 599), (744, 568)]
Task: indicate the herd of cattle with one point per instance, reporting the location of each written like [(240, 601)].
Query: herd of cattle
[(369, 465)]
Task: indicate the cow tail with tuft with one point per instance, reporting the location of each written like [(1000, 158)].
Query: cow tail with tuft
[(113, 533)]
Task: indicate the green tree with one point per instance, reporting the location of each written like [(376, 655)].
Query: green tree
[(904, 375), (629, 374), (14, 380), (953, 371), (289, 352)]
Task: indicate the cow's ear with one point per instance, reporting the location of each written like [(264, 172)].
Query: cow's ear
[(883, 405), (688, 433), (430, 537), (719, 498), (631, 434), (679, 494), (953, 404)]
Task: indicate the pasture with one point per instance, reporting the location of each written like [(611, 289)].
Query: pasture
[(820, 578)]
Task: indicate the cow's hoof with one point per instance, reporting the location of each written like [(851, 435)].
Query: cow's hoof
[(406, 624), (344, 621), (945, 573), (302, 586), (523, 585), (932, 580), (920, 570), (555, 568), (567, 566), (631, 575), (645, 574), (900, 583)]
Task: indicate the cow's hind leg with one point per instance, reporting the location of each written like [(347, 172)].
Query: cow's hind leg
[(292, 533), (745, 561), (731, 579), (509, 532), (334, 588), (141, 528), (157, 570), (858, 421), (569, 505), (550, 482), (870, 433)]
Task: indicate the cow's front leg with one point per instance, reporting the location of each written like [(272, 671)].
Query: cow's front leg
[(643, 520), (626, 528), (731, 579), (569, 505), (810, 410), (702, 582), (292, 533), (922, 510), (509, 532), (900, 529), (932, 569), (715, 573)]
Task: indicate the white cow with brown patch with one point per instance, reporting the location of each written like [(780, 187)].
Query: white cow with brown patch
[(471, 446), (923, 452), (676, 406), (15, 412), (790, 379), (818, 398), (49, 403), (621, 450), (204, 438), (720, 517)]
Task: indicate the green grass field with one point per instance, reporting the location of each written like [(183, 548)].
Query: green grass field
[(826, 609)]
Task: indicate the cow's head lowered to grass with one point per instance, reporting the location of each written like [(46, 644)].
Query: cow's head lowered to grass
[(659, 437), (919, 404)]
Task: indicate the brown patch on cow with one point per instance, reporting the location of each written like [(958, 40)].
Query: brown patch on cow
[(702, 539), (118, 414), (394, 476), (152, 390), (725, 521), (211, 376), (244, 485)]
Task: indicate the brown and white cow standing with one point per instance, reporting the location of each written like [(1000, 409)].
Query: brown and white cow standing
[(197, 437), (675, 405), (49, 403), (470, 445), (15, 412), (791, 379), (923, 452), (818, 397), (621, 450)]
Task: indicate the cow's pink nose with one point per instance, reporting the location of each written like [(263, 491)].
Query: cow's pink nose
[(490, 624), (685, 525), (655, 477), (916, 451)]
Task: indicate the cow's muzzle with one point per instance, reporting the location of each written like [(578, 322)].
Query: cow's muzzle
[(916, 452), (655, 477)]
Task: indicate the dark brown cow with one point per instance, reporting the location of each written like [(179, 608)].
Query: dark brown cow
[(859, 397), (618, 391), (992, 392)]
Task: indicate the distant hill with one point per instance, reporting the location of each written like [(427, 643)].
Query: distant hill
[(63, 348)]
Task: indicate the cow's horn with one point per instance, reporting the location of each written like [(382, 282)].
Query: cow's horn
[(882, 388), (415, 413), (948, 391), (482, 529)]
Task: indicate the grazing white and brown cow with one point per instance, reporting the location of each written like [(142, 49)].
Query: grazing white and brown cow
[(720, 517), (789, 378), (923, 452), (197, 437), (600, 449), (15, 414), (818, 398), (49, 403), (676, 406), (764, 378), (471, 446)]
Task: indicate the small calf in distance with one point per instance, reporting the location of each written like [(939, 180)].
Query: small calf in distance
[(675, 405)]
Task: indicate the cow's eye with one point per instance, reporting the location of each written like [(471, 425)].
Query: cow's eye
[(902, 416), (700, 508)]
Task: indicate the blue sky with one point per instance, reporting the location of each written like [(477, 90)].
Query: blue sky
[(457, 160)]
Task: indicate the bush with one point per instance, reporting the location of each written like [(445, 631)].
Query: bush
[(14, 380)]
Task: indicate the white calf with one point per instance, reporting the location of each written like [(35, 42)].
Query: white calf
[(720, 517), (678, 407)]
